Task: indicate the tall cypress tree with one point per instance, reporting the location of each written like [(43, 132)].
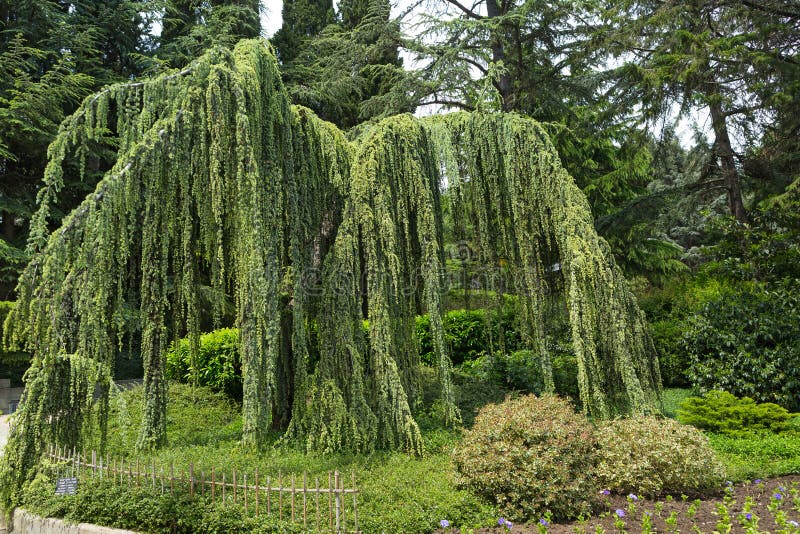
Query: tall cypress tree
[(302, 20)]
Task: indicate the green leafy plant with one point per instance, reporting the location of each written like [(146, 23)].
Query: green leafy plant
[(652, 456), (721, 412), (516, 445), (217, 364), (745, 342)]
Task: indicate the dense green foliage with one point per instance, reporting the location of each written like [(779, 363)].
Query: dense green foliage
[(654, 456), (216, 364), (745, 342), (531, 456), (723, 413)]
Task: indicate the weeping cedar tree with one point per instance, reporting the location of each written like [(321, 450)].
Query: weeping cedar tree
[(219, 178)]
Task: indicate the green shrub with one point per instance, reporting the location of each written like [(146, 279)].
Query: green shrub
[(521, 371), (530, 456), (218, 363), (653, 456), (470, 333), (13, 364), (747, 342), (719, 411)]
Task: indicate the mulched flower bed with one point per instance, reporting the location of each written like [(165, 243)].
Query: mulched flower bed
[(759, 506)]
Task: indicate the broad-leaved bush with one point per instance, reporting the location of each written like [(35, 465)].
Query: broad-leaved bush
[(647, 455), (530, 456)]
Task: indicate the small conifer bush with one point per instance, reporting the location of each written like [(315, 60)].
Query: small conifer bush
[(530, 456), (652, 456)]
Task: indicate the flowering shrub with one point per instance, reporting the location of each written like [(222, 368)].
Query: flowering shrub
[(530, 456), (652, 456)]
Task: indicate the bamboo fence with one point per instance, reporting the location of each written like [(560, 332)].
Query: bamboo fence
[(324, 506)]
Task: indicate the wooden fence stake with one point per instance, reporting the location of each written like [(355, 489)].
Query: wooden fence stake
[(191, 479), (234, 485), (172, 478), (305, 510), (244, 478), (338, 502), (355, 505), (213, 484), (257, 491), (137, 472), (316, 507), (280, 495), (330, 502), (269, 496), (223, 489), (292, 497)]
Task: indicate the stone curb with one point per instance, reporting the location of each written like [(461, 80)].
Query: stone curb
[(26, 523)]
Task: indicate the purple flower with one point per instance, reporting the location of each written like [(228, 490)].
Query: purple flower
[(757, 481), (728, 483), (794, 523), (543, 521), (633, 497), (781, 488), (748, 516), (509, 524), (501, 521), (444, 523), (778, 496), (620, 513), (605, 492)]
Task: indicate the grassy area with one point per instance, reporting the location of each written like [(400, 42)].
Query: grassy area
[(399, 493), (750, 457)]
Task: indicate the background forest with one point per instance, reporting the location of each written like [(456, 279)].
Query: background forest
[(677, 119)]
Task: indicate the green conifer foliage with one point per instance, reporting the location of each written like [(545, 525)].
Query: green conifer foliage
[(220, 181)]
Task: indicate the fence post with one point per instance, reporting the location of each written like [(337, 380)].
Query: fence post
[(316, 506), (330, 503), (257, 491), (94, 463), (355, 505), (223, 489), (172, 478), (191, 479), (293, 497), (213, 485), (244, 478), (280, 495), (269, 495), (305, 510), (338, 499), (234, 485)]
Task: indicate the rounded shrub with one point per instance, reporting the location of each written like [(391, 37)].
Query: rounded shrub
[(529, 456), (653, 456), (218, 362), (719, 411)]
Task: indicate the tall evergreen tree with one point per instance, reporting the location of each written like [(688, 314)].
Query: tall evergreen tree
[(738, 61), (189, 27), (350, 72), (302, 20)]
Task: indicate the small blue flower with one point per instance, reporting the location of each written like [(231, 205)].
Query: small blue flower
[(543, 521), (757, 481), (501, 521), (781, 488), (444, 523), (633, 497), (748, 516), (728, 483), (777, 496), (605, 492), (620, 513), (648, 514), (509, 524)]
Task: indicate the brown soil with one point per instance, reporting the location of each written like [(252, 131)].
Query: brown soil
[(705, 519)]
